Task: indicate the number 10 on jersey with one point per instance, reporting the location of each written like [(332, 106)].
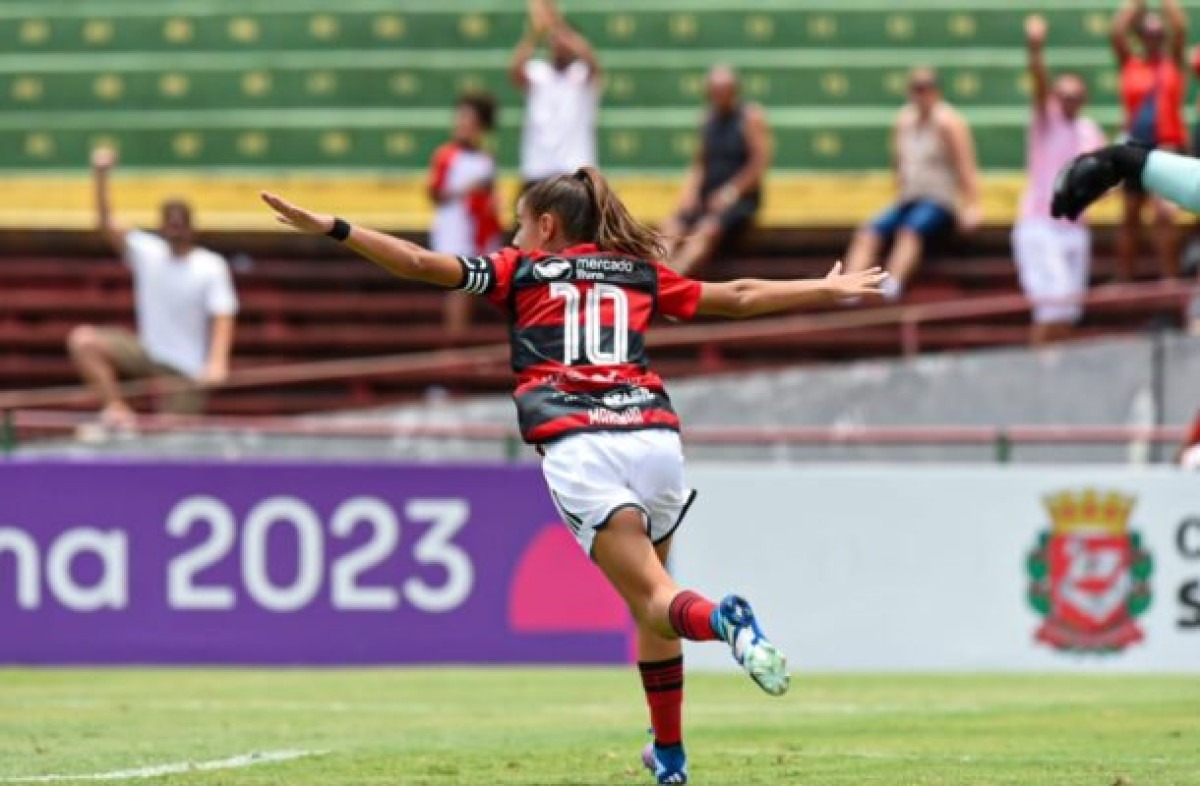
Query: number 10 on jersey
[(593, 342)]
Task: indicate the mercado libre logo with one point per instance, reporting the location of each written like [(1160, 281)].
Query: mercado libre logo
[(1089, 574)]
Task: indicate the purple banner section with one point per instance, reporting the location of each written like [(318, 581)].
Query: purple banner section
[(250, 563)]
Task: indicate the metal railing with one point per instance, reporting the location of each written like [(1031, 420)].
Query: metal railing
[(1001, 439), (18, 409)]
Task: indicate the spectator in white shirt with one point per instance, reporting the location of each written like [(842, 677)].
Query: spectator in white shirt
[(559, 131), (185, 305)]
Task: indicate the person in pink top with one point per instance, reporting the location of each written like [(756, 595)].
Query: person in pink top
[(1053, 256)]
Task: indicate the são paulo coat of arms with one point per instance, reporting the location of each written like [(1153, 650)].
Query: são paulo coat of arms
[(1089, 574)]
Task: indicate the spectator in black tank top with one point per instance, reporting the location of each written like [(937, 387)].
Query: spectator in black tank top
[(723, 190)]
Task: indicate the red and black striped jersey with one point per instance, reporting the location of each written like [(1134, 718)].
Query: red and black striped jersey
[(577, 326)]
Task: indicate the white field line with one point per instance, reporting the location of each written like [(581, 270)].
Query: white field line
[(180, 768)]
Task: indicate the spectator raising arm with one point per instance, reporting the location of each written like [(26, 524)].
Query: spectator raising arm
[(1177, 29), (103, 160), (527, 46), (574, 42), (1123, 23), (1035, 40)]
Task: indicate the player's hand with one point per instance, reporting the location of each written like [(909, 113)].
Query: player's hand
[(1035, 30), (297, 217), (104, 159), (854, 285)]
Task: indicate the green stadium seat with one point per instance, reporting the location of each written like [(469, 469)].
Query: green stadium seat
[(367, 85)]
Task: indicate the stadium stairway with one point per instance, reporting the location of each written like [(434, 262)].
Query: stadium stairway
[(304, 305)]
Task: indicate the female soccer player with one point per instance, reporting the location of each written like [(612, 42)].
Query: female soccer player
[(580, 288)]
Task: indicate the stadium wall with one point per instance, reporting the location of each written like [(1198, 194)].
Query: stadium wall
[(870, 568), (949, 568)]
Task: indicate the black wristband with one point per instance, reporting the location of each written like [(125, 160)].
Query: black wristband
[(341, 230)]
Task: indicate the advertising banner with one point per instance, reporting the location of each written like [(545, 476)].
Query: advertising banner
[(162, 563), (954, 568)]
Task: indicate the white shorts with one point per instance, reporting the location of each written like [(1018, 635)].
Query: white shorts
[(1190, 458), (593, 475), (1053, 259)]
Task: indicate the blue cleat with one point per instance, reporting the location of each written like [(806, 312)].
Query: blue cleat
[(734, 621), (668, 764)]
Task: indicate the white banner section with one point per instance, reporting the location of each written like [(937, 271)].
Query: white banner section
[(953, 568)]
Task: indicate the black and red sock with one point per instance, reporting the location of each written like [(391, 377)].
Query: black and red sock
[(663, 682), (690, 615)]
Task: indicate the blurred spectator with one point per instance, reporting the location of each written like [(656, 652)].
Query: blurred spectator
[(1150, 51), (933, 155), (723, 190), (185, 312), (462, 186), (1053, 257), (561, 96)]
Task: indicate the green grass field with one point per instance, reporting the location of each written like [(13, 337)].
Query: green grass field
[(586, 726)]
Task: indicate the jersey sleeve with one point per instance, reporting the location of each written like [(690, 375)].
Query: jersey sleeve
[(490, 276), (678, 296)]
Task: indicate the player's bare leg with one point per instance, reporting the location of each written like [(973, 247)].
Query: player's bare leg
[(1166, 237), (863, 251), (903, 262), (660, 665), (697, 247), (628, 559), (674, 233), (1045, 333), (1127, 236), (862, 255), (88, 353)]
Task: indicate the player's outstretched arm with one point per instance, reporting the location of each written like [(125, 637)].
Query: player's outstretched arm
[(748, 297), (399, 257)]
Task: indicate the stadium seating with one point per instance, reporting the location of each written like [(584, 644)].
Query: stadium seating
[(364, 88), (298, 310), (212, 100)]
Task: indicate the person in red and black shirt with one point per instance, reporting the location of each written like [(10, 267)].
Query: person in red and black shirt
[(1150, 51), (462, 178), (580, 289)]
